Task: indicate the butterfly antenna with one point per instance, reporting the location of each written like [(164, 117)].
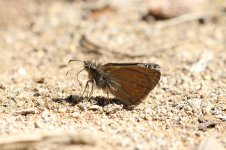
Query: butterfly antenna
[(72, 70), (74, 60), (80, 84)]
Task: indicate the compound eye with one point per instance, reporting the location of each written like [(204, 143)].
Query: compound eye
[(92, 65)]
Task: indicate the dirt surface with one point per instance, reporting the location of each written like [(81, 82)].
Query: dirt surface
[(41, 107)]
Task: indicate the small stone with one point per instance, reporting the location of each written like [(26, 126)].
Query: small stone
[(39, 80), (110, 109), (75, 114), (82, 107), (221, 117), (62, 110), (201, 64), (205, 124), (94, 107), (2, 87), (206, 106), (22, 71), (25, 112), (195, 104), (37, 94), (38, 124)]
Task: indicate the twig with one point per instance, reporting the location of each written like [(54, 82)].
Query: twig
[(188, 18), (93, 48)]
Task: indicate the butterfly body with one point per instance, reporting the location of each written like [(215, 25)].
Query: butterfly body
[(130, 82), (97, 75)]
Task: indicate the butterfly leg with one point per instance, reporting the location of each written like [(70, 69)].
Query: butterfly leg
[(86, 87), (80, 84), (91, 92), (108, 96)]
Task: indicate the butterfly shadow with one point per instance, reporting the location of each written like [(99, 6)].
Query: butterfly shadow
[(97, 100)]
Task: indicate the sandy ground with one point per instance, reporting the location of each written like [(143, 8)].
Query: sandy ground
[(41, 107)]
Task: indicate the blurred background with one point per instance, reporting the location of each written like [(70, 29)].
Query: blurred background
[(187, 38)]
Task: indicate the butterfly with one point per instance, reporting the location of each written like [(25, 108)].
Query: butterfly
[(129, 82)]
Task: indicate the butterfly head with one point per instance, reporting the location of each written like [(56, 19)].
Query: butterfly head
[(88, 65)]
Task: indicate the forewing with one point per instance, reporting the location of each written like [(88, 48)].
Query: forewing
[(131, 82)]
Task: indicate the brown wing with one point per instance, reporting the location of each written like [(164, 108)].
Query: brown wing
[(131, 82)]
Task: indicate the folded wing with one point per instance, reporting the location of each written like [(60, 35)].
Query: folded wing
[(132, 82)]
